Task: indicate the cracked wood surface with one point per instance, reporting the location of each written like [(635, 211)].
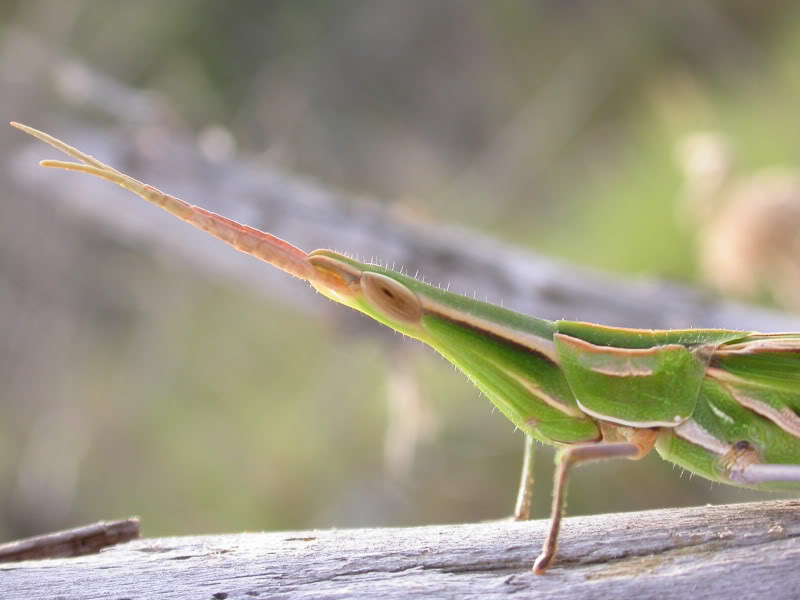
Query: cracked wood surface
[(733, 551)]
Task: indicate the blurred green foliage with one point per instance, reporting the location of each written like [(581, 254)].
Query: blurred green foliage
[(203, 408)]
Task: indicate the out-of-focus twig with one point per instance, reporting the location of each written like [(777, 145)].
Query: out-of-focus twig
[(87, 539)]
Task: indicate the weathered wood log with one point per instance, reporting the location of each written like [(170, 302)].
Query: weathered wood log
[(734, 551)]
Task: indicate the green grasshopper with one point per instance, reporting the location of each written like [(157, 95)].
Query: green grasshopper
[(721, 403)]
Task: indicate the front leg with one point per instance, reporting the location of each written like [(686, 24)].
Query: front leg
[(640, 443)]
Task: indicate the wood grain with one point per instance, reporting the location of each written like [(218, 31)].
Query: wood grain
[(734, 551)]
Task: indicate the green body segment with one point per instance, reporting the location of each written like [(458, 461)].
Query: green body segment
[(629, 386), (527, 387), (748, 404), (622, 337), (772, 361), (721, 399), (719, 425), (521, 377)]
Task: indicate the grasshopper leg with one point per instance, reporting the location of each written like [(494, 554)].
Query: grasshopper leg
[(639, 445), (755, 474), (524, 506)]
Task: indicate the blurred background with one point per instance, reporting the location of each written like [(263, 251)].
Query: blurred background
[(145, 370)]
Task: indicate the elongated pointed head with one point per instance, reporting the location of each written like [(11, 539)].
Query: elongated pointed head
[(371, 289)]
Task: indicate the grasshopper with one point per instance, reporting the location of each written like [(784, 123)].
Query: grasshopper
[(721, 403)]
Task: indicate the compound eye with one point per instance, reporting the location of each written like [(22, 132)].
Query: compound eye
[(391, 298)]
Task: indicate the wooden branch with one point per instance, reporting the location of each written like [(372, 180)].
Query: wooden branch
[(88, 539), (733, 551), (311, 216)]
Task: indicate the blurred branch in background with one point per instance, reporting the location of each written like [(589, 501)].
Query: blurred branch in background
[(148, 142), (311, 216)]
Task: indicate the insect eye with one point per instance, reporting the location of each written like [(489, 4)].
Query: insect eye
[(741, 446), (393, 299)]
